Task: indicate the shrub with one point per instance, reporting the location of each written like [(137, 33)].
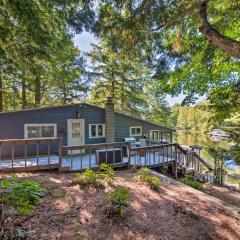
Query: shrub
[(90, 178), (153, 182), (115, 203), (107, 173), (23, 195), (86, 179), (145, 177), (188, 180)]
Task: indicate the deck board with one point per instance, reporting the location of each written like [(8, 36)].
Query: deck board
[(151, 159)]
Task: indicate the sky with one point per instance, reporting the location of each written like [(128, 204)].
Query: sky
[(83, 42)]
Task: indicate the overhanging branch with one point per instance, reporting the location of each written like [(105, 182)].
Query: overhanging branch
[(226, 44)]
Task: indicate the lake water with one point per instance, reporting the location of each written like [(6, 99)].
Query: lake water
[(190, 139)]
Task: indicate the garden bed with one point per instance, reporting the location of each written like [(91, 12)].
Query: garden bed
[(69, 212)]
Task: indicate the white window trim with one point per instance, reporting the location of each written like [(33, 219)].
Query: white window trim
[(38, 125), (154, 131), (96, 124), (135, 135)]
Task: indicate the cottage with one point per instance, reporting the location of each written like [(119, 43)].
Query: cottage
[(79, 136), (78, 124)]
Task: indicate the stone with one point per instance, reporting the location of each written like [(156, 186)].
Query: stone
[(69, 201), (58, 193), (82, 235)]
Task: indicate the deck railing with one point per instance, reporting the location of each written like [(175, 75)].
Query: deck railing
[(76, 158), (27, 154), (24, 155)]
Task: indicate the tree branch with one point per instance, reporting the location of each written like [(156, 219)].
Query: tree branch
[(226, 44)]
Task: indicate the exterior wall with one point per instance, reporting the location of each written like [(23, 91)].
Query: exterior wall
[(123, 124), (12, 123)]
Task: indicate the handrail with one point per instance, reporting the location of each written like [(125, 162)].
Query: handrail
[(28, 149), (154, 146), (22, 141), (203, 161), (98, 145)]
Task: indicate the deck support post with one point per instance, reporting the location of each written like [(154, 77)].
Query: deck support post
[(176, 161), (129, 154), (60, 144)]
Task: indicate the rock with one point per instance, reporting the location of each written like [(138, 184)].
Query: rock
[(82, 235), (69, 201), (58, 193)]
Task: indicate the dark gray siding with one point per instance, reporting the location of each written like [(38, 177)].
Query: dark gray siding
[(123, 124), (12, 123)]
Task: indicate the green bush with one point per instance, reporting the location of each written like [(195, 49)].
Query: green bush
[(107, 173), (188, 180), (145, 177), (23, 195), (153, 182), (115, 203), (90, 178), (86, 179)]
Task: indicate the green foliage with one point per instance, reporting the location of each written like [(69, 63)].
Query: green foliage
[(118, 75), (40, 65), (23, 195), (107, 173), (145, 177), (192, 183), (90, 178), (196, 119), (115, 203)]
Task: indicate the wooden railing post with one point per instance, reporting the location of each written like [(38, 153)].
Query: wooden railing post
[(60, 144), (129, 154), (176, 162)]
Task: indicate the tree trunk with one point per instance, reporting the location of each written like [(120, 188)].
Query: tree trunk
[(122, 95), (24, 96), (113, 86), (64, 100), (1, 93), (226, 44), (37, 91)]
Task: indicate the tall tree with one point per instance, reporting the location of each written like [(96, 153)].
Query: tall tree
[(120, 76), (31, 35)]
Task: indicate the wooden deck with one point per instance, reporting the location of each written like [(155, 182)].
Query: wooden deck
[(66, 158)]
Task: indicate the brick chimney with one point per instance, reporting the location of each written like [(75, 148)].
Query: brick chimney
[(109, 121)]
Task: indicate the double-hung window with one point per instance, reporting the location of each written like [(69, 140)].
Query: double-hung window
[(136, 131), (96, 130), (45, 130)]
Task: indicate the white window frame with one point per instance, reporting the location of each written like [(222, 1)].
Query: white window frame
[(135, 135), (54, 125), (150, 132), (96, 124)]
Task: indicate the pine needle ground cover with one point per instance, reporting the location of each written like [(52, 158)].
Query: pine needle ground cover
[(69, 212)]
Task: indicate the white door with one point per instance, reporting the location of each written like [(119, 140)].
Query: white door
[(76, 135)]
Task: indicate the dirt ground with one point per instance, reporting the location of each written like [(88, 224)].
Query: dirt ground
[(223, 193), (68, 212)]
